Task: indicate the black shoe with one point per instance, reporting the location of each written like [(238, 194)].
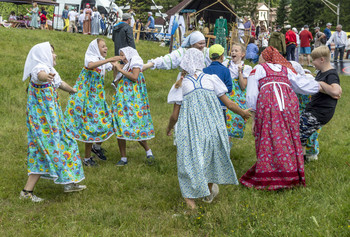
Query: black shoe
[(90, 162), (99, 153)]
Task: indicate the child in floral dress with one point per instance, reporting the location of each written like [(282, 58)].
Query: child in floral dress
[(52, 152), (90, 119), (130, 105), (271, 94), (239, 74)]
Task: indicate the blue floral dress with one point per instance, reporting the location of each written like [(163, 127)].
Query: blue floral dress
[(89, 116), (203, 151), (312, 145), (130, 106), (235, 123), (52, 152)]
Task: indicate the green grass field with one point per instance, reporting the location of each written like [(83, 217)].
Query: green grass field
[(140, 200)]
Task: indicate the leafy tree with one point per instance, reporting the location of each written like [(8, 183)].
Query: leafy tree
[(282, 12), (245, 7)]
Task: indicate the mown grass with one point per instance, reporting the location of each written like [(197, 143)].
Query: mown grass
[(139, 200)]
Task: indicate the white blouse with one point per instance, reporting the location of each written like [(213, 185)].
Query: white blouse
[(208, 82), (234, 69), (42, 67), (300, 84)]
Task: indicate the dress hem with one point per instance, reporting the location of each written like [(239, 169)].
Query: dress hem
[(136, 140), (93, 141), (54, 178)]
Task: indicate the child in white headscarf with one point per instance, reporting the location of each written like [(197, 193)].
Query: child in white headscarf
[(89, 116), (130, 105), (52, 152), (203, 151)]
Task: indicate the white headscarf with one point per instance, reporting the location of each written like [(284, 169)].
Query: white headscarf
[(193, 38), (134, 60), (39, 54), (93, 53), (192, 61)]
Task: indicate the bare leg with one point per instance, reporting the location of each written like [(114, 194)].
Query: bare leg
[(32, 180), (190, 203), (122, 147), (144, 145), (210, 185), (308, 59), (88, 147), (301, 59)]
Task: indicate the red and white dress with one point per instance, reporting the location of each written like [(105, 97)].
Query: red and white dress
[(280, 162)]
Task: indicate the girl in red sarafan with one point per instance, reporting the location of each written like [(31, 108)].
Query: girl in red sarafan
[(280, 162)]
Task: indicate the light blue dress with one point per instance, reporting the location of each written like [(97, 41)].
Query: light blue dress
[(34, 22), (203, 151)]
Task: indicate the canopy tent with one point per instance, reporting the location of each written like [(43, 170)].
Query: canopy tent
[(29, 2), (210, 10)]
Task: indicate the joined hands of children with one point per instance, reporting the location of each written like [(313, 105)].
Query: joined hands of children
[(246, 114)]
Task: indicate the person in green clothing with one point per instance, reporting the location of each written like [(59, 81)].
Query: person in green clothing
[(221, 32), (277, 40)]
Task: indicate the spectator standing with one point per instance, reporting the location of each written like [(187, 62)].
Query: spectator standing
[(34, 11), (132, 22), (150, 25), (328, 32), (305, 49), (298, 44), (65, 18), (201, 23), (81, 19), (72, 15), (43, 18), (95, 22), (348, 48), (340, 41), (320, 38), (258, 29), (278, 41), (87, 20), (291, 42), (247, 27), (263, 37), (123, 34)]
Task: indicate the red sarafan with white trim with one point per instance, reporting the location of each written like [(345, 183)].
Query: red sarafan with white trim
[(280, 162)]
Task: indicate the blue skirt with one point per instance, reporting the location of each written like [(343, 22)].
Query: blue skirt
[(203, 151)]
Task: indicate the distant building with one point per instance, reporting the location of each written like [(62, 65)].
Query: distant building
[(268, 15)]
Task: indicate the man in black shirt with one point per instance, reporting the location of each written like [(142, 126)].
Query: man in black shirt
[(322, 106)]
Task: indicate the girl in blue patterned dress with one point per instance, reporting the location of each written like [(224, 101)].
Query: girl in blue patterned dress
[(52, 152), (90, 119), (130, 105), (203, 151), (239, 74)]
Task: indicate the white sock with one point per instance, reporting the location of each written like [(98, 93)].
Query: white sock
[(149, 153), (97, 147), (124, 159), (86, 159)]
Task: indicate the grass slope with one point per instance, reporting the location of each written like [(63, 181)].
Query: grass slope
[(141, 200)]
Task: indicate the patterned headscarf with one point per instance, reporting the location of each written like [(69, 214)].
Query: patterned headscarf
[(271, 55), (192, 61)]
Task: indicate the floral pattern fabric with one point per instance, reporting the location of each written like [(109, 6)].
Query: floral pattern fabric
[(203, 151), (88, 114), (130, 106), (280, 161), (52, 152), (312, 144)]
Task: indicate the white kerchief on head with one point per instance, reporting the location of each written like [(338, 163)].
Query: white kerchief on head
[(93, 53), (193, 38), (192, 61), (134, 60), (39, 54)]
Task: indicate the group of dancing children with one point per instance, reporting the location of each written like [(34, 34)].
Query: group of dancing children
[(213, 97)]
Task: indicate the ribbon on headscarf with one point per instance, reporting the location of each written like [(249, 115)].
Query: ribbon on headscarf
[(271, 55), (39, 54), (192, 61), (193, 38)]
